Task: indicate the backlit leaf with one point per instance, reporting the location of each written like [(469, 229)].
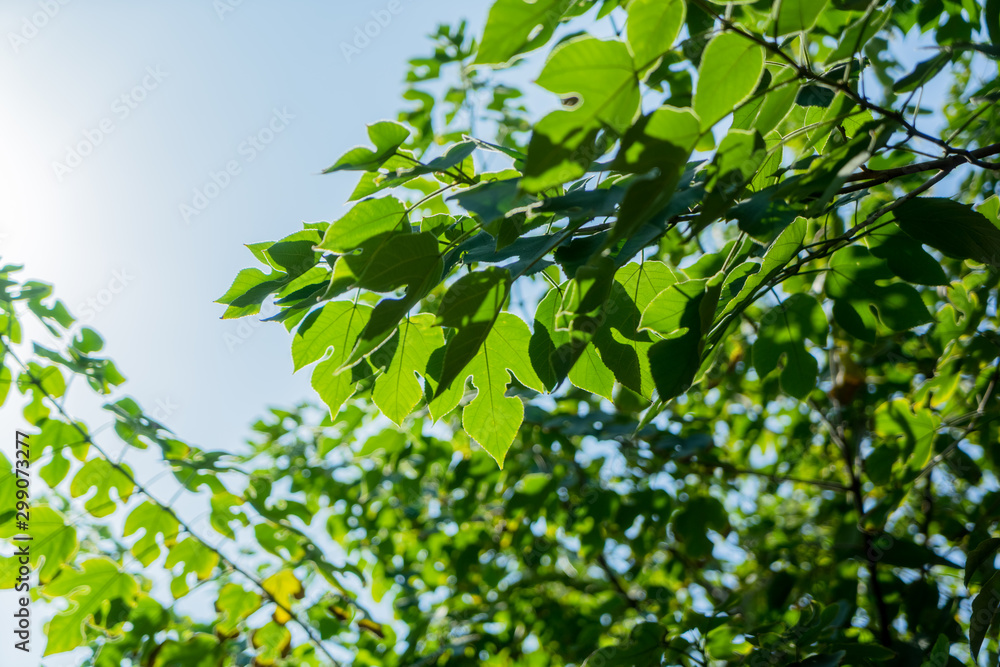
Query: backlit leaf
[(730, 68)]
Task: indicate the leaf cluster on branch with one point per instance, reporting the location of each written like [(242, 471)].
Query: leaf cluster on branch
[(699, 368)]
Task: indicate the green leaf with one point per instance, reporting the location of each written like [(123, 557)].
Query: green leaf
[(678, 313), (492, 418), (386, 135), (493, 200), (940, 654), (739, 155), (799, 15), (597, 80), (440, 400), (234, 604), (402, 259), (984, 609), (858, 34), (5, 380), (368, 219), (692, 523), (58, 436), (662, 141), (475, 297), (784, 331), (852, 282), (53, 543), (922, 73), (249, 290), (653, 25), (456, 155), (674, 363), (153, 520), (991, 208), (283, 587), (824, 660), (586, 293), (623, 347), (548, 343), (50, 380), (471, 305), (991, 19), (196, 650), (100, 476), (339, 329), (510, 27), (197, 559), (985, 552), (905, 256), (784, 248), (337, 324), (645, 646), (764, 214), (728, 74), (384, 320), (813, 95), (676, 310), (918, 426), (224, 511), (560, 150), (956, 229), (397, 391), (778, 101), (91, 591), (295, 253), (272, 642)]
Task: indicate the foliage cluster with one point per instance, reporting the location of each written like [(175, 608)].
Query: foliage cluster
[(724, 322)]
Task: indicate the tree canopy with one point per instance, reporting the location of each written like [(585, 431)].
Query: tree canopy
[(699, 368)]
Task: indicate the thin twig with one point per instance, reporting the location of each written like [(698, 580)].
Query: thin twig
[(310, 632)]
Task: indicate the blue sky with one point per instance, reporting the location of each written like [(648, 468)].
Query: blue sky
[(118, 114)]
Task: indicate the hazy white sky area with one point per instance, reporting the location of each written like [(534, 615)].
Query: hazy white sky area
[(160, 97), (116, 114)]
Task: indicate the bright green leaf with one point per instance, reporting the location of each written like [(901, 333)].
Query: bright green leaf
[(799, 15), (154, 520), (516, 26), (90, 590), (653, 25), (398, 390), (387, 136), (492, 418), (730, 68), (368, 219), (100, 476)]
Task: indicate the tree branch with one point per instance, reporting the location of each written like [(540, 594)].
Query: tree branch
[(973, 425), (873, 177), (807, 73), (832, 486), (308, 629)]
